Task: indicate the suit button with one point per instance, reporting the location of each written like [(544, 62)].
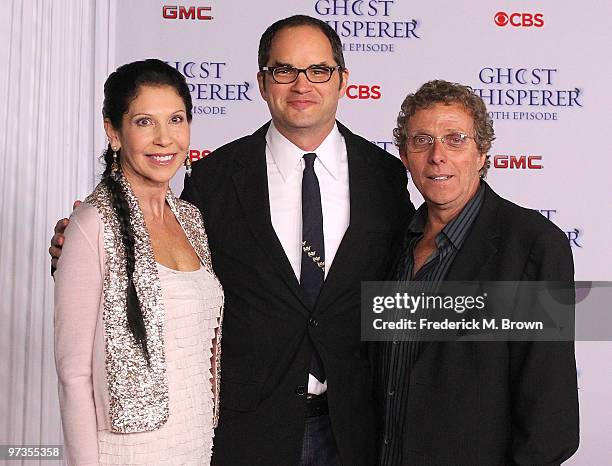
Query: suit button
[(300, 390), (313, 322), (391, 392)]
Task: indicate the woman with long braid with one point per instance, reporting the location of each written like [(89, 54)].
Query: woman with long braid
[(138, 308)]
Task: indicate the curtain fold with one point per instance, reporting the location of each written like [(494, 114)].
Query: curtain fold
[(56, 55)]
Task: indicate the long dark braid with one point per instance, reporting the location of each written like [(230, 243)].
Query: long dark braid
[(120, 89), (122, 210)]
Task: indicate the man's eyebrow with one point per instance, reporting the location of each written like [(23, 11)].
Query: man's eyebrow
[(322, 63)]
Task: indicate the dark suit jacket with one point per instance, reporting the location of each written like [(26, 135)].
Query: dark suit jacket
[(497, 403), (268, 330)]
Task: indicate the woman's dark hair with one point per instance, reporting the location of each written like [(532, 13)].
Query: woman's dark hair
[(120, 89)]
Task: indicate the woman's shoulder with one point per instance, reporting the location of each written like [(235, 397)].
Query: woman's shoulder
[(100, 197), (86, 218), (83, 233)]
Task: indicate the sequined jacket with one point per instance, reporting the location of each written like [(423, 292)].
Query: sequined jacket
[(128, 396)]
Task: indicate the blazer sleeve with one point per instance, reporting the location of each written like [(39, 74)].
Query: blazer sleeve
[(190, 192), (78, 289), (545, 424)]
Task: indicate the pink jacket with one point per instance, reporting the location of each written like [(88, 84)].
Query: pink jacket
[(79, 339)]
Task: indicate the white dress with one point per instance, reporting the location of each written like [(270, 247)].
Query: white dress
[(192, 302)]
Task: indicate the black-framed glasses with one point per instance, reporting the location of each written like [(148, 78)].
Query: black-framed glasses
[(452, 141), (288, 74)]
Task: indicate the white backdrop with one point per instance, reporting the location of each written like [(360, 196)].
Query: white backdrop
[(552, 55), (54, 58)]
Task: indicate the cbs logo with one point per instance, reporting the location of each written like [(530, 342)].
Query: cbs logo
[(526, 20), (195, 154), (363, 91)]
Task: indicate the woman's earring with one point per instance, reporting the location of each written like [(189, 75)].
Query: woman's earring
[(188, 164), (115, 173)]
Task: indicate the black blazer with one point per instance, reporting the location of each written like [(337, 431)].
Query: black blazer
[(268, 329), (497, 403)]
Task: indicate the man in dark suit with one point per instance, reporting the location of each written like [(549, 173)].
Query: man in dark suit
[(297, 215), (472, 403), (277, 407)]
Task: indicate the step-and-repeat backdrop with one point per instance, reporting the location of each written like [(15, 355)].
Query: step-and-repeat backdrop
[(542, 68)]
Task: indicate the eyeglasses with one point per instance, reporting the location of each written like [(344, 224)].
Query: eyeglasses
[(452, 141), (288, 74)]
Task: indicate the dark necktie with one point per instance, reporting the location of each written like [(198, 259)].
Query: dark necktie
[(313, 248)]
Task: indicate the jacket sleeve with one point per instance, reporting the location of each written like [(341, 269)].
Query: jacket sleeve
[(545, 426), (191, 193), (78, 289)]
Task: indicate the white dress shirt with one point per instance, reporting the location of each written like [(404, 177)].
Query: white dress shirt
[(284, 167)]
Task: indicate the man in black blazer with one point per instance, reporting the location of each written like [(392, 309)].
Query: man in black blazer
[(271, 331), (472, 403)]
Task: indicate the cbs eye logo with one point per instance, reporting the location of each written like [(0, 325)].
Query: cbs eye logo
[(501, 18), (526, 20)]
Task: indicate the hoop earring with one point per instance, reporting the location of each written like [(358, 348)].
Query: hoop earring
[(115, 173), (188, 165)]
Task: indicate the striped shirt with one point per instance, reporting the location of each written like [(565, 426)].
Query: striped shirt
[(398, 357)]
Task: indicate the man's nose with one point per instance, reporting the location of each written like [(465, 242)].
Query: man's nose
[(437, 152), (301, 83)]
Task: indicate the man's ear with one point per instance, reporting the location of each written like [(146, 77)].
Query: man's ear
[(344, 74), (261, 81), (483, 162), (404, 157)]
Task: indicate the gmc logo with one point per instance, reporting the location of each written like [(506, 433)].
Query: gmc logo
[(530, 162), (186, 12), (525, 20), (196, 155), (363, 91)]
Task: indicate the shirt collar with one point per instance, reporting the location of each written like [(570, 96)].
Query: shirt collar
[(455, 231), (331, 153), (417, 224)]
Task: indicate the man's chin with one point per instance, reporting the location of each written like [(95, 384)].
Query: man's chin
[(303, 123)]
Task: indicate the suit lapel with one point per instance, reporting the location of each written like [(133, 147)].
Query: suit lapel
[(477, 254), (478, 251), (251, 183)]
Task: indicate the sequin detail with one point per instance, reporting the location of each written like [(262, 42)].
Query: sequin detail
[(192, 301), (138, 394)]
